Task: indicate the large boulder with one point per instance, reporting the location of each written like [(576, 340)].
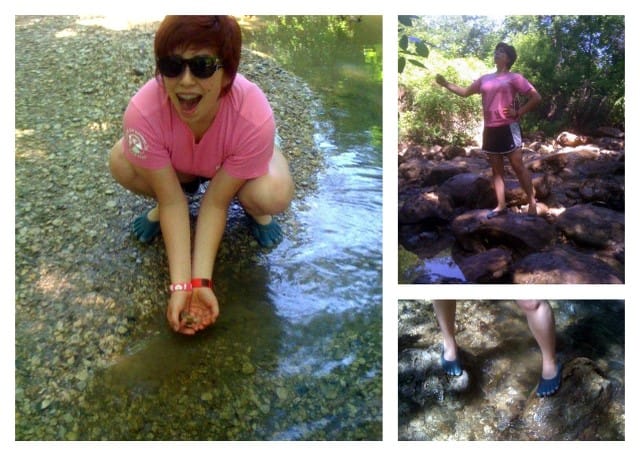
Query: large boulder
[(422, 205), (486, 267), (571, 139), (475, 233), (564, 266), (592, 225), (578, 411), (469, 190)]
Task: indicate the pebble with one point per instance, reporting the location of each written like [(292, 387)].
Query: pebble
[(91, 303)]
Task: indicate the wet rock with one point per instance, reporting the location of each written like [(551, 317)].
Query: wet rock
[(564, 266), (579, 411), (421, 379)]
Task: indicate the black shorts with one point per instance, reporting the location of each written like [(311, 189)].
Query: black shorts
[(503, 139)]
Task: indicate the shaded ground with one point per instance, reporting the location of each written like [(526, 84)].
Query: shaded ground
[(502, 362)]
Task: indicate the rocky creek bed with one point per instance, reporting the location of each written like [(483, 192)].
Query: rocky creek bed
[(495, 398), (578, 237), (82, 288)]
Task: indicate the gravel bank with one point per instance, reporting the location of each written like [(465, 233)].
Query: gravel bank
[(78, 298)]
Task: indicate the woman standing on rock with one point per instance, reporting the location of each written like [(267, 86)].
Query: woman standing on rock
[(199, 120), (502, 135), (541, 323)]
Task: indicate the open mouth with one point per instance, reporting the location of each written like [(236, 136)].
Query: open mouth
[(189, 102)]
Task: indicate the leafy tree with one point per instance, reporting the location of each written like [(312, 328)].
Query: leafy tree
[(575, 62), (431, 115), (462, 36), (409, 46)]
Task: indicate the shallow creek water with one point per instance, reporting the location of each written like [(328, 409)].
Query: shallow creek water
[(503, 363), (296, 353)]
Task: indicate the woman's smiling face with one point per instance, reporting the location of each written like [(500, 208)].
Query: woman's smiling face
[(195, 99)]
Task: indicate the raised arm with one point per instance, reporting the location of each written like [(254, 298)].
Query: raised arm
[(458, 90)]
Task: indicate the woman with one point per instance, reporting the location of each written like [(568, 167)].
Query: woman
[(502, 135), (200, 120), (541, 323)]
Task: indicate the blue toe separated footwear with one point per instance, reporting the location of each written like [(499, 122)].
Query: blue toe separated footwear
[(267, 235), (144, 229), (548, 387), (451, 367), (495, 213)]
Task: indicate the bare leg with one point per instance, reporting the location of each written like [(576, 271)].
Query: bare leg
[(124, 173), (542, 325), (446, 315), (515, 158), (269, 194), (497, 167)]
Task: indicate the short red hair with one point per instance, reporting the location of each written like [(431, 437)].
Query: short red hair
[(221, 33)]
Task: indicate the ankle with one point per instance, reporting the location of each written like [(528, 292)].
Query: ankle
[(154, 214), (549, 369), (450, 351), (263, 220)]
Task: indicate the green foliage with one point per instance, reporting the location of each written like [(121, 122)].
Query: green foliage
[(462, 36), (429, 114), (575, 62), (409, 46)]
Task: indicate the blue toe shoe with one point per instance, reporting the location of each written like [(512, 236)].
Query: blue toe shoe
[(451, 367), (548, 387), (267, 235), (144, 229)]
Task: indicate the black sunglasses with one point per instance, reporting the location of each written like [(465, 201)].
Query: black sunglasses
[(199, 66)]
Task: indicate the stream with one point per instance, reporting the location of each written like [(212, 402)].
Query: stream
[(297, 351)]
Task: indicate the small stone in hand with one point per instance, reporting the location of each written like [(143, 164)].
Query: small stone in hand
[(188, 319)]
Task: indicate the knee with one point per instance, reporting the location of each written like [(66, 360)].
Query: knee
[(117, 163), (529, 305), (267, 196), (280, 196)]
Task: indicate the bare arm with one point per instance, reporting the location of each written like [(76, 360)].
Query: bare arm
[(461, 91), (174, 220), (534, 99), (532, 102), (211, 222)]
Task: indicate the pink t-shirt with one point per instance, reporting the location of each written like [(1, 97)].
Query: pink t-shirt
[(498, 92), (240, 138)]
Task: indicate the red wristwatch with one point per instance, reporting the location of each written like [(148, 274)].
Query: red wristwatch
[(202, 282)]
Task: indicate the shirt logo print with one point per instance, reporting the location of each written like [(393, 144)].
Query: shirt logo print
[(136, 142)]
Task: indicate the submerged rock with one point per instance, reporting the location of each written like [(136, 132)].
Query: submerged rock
[(579, 411), (421, 379)]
